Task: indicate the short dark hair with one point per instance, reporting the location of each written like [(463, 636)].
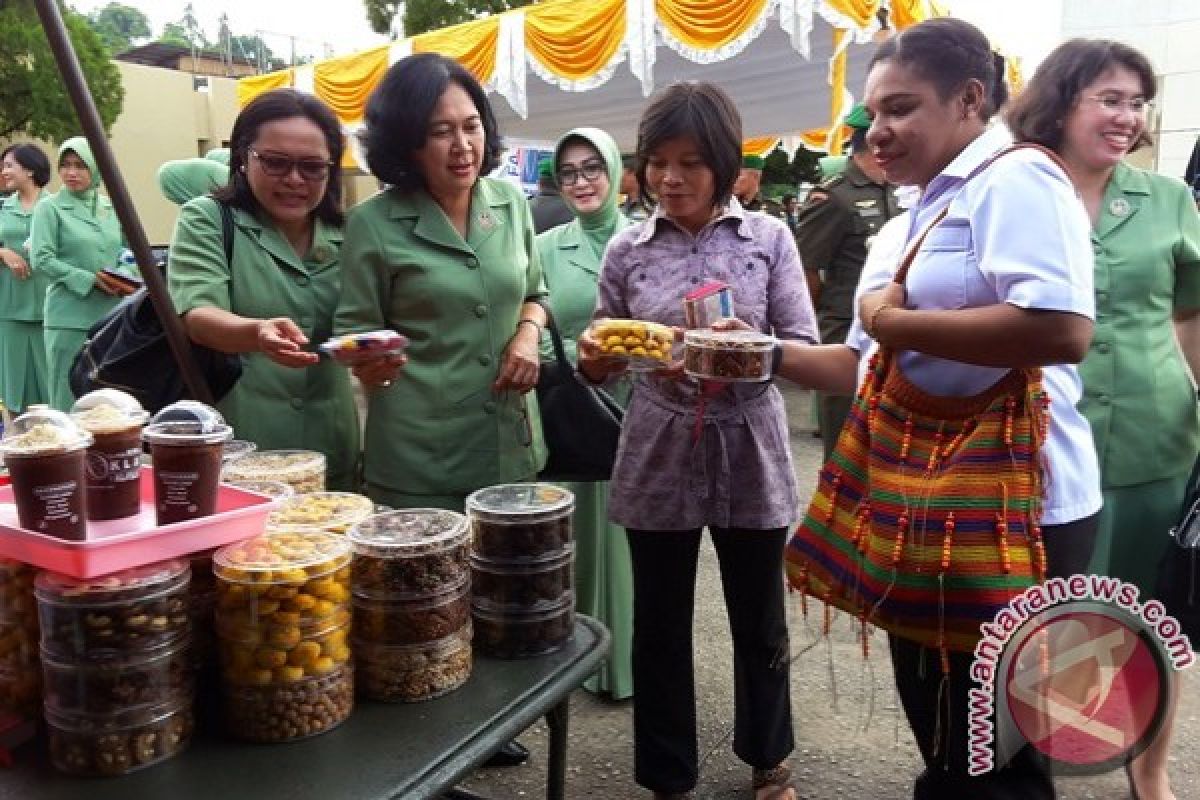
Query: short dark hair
[(788, 196), (948, 53), (32, 158), (1038, 113), (703, 113), (399, 110), (268, 107)]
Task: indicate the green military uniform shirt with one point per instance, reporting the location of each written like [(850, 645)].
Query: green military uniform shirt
[(274, 406), (21, 300), (1137, 395), (832, 232), (440, 429), (766, 206), (69, 244)]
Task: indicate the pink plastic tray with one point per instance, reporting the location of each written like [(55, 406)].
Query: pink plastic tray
[(118, 544)]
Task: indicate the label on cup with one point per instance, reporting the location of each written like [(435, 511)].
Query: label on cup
[(56, 501), (114, 467), (177, 491)]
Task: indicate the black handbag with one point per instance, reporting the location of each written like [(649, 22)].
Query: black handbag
[(581, 423), (127, 349), (1178, 584)]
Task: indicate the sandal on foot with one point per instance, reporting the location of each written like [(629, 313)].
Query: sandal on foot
[(778, 778)]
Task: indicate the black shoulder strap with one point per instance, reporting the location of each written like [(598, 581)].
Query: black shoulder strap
[(227, 231)]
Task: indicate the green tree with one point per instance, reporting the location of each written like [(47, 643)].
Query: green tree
[(806, 167), (173, 33), (33, 99), (777, 167), (186, 31), (419, 16), (120, 26)]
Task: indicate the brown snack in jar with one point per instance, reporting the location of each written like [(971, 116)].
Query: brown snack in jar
[(520, 521), (21, 690), (20, 676), (303, 470), (410, 673), (287, 711), (135, 609), (508, 634), (736, 356), (523, 585), (108, 745), (413, 620), (117, 682), (409, 552)]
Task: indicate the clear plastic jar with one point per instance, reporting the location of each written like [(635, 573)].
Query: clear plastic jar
[(413, 620), (505, 634), (410, 673), (129, 611), (303, 470), (20, 675), (117, 744), (728, 356), (276, 490), (336, 512), (410, 552), (520, 521), (115, 683), (524, 586), (281, 712)]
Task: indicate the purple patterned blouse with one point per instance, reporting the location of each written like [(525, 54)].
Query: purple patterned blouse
[(734, 470)]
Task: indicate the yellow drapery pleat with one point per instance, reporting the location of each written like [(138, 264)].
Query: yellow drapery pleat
[(818, 138), (759, 146), (251, 87), (837, 93), (906, 13), (861, 11), (1012, 74), (576, 40), (472, 44), (345, 83), (708, 24)]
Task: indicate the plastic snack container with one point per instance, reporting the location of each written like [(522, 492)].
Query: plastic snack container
[(45, 452), (303, 470), (520, 521), (728, 356), (410, 673), (644, 345), (352, 349), (335, 512), (409, 552), (114, 460)]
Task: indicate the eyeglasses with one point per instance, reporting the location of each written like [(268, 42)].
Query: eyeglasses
[(280, 166), (591, 172), (1113, 102)]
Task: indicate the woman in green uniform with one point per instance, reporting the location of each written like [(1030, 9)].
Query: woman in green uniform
[(189, 178), (587, 167), (74, 235), (447, 258), (25, 170), (275, 299), (1088, 101)]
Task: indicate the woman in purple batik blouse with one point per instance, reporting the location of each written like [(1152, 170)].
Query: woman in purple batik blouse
[(693, 457)]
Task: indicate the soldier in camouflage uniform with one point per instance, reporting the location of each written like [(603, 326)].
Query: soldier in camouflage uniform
[(746, 189), (833, 233)]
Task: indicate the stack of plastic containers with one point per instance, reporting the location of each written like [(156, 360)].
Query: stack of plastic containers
[(283, 625), (116, 666), (20, 675), (412, 622), (303, 470), (522, 564)]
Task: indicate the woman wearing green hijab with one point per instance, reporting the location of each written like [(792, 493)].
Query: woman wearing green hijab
[(587, 167), (74, 235), (190, 178)]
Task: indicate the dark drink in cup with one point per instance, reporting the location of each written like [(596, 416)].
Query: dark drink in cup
[(114, 467), (186, 446), (44, 452)]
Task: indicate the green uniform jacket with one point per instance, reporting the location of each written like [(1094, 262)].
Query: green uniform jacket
[(277, 407), (1137, 393), (439, 429), (21, 300), (69, 246)]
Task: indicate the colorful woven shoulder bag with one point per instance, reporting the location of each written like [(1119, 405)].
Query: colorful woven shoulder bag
[(925, 521)]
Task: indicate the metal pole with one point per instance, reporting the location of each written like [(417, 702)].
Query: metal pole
[(135, 234)]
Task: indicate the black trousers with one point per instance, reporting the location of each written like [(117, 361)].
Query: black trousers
[(941, 728), (664, 705)]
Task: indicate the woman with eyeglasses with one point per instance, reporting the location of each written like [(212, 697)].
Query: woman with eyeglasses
[(587, 167), (74, 236), (1089, 101), (274, 299)]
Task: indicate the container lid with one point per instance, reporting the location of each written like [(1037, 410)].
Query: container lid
[(631, 327), (236, 448), (334, 511), (435, 650), (43, 431), (408, 533), (108, 660), (108, 411), (732, 340), (277, 490), (556, 559), (520, 502), (274, 464), (281, 550), (93, 724), (52, 587), (409, 602), (187, 423), (506, 615)]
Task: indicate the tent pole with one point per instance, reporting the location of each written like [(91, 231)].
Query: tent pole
[(135, 234)]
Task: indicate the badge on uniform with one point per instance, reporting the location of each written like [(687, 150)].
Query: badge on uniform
[(867, 208), (1119, 207), (486, 220)]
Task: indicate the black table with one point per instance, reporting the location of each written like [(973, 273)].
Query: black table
[(382, 751)]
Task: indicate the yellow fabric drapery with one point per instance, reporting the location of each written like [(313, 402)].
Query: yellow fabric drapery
[(861, 11), (345, 83), (906, 13), (573, 41), (472, 44), (254, 85), (759, 146), (708, 24), (837, 93)]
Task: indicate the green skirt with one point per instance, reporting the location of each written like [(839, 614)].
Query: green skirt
[(22, 364), (1135, 526), (62, 345)]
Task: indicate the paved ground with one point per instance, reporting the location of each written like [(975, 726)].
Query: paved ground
[(851, 738)]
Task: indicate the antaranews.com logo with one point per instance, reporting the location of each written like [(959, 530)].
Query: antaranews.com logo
[(1078, 669)]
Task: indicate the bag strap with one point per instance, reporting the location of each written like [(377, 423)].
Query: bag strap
[(560, 352), (227, 233)]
